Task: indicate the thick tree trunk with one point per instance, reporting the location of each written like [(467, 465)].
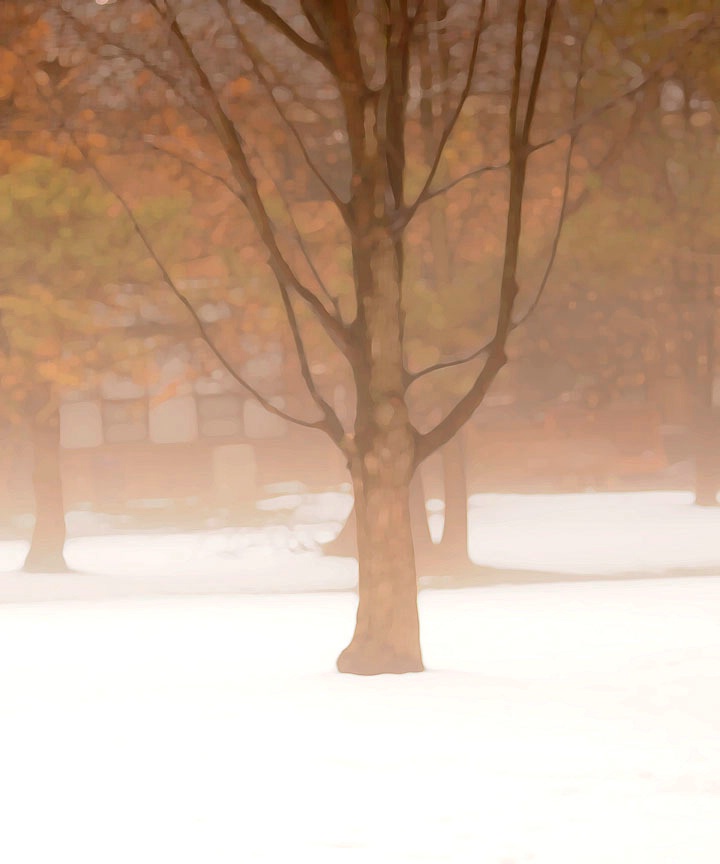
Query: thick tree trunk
[(48, 539), (387, 632), (345, 544), (381, 456)]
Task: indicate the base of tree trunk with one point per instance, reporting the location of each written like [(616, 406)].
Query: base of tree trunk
[(45, 565), (366, 658)]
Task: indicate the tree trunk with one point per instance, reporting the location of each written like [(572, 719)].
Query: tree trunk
[(453, 548), (707, 463), (707, 439), (387, 631), (422, 541), (345, 544), (450, 558), (381, 455), (48, 538)]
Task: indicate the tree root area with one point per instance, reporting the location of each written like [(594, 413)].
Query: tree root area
[(363, 657)]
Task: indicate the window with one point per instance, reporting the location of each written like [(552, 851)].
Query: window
[(125, 420), (220, 416)]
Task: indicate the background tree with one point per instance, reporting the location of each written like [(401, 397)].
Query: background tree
[(59, 285)]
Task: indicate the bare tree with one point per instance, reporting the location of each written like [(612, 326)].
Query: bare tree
[(343, 80)]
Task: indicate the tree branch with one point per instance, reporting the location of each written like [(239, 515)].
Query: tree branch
[(254, 59), (466, 407), (333, 427), (235, 150), (651, 76), (300, 240), (411, 377), (424, 194), (476, 172), (202, 329), (538, 70), (150, 141), (161, 74), (556, 238), (311, 49)]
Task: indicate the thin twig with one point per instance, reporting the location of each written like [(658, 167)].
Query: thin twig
[(235, 149), (202, 329)]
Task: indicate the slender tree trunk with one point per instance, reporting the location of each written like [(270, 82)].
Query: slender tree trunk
[(453, 547), (422, 541), (707, 440), (707, 463), (345, 544), (450, 558), (48, 539)]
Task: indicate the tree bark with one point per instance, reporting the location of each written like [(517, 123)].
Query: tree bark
[(453, 547), (345, 544), (387, 631), (48, 538), (381, 460), (707, 463), (450, 558)]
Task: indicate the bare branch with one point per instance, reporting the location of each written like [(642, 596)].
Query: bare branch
[(655, 72), (297, 235), (315, 19), (152, 142), (564, 209), (538, 70), (424, 194), (268, 14), (158, 71), (395, 90), (235, 149), (447, 364), (333, 426), (517, 77), (564, 212), (476, 172), (348, 72), (255, 60), (202, 329), (556, 238), (464, 409), (496, 359)]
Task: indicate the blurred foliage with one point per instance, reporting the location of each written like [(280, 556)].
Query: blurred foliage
[(65, 254), (642, 193)]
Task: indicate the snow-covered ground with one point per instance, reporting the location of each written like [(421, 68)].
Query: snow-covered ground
[(563, 723), (559, 536)]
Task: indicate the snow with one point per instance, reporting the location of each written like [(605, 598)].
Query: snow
[(558, 723), (595, 534)]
